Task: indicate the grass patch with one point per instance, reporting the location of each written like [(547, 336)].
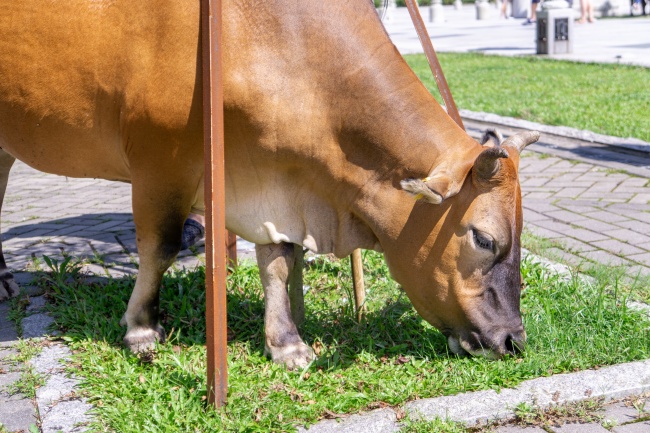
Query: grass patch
[(392, 357), (603, 98)]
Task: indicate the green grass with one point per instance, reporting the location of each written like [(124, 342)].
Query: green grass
[(603, 98), (392, 357)]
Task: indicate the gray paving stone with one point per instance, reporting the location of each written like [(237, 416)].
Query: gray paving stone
[(516, 429), (604, 258), (8, 336), (580, 428), (627, 236), (36, 326), (641, 427), (565, 216), (619, 413), (17, 415), (542, 232), (36, 304), (608, 216), (377, 421), (596, 225), (67, 416), (644, 258), (617, 247)]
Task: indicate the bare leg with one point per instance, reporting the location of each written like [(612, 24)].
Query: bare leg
[(282, 341), (8, 287)]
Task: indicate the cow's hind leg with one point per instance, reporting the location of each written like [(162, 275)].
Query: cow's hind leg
[(8, 287), (158, 216), (282, 341)]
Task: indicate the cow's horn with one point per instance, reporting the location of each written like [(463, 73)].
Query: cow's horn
[(522, 139), (488, 162)]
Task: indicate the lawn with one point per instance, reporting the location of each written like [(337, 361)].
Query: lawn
[(393, 356), (604, 98)]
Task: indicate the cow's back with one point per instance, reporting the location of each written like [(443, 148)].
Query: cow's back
[(82, 81)]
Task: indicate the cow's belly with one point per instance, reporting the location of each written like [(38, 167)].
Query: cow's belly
[(52, 146)]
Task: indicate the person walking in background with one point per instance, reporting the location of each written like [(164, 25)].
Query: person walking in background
[(504, 9), (586, 12), (533, 12)]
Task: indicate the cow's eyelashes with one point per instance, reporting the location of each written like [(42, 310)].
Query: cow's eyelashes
[(483, 241)]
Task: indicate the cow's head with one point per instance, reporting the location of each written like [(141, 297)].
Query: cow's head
[(466, 253)]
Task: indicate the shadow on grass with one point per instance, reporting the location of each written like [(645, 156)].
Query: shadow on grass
[(93, 308)]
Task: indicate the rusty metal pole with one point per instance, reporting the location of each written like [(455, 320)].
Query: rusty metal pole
[(296, 294), (215, 216), (231, 249), (434, 64)]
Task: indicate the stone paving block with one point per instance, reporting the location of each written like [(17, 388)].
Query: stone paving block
[(570, 192), (580, 428), (17, 415), (6, 353), (8, 336), (67, 416), (565, 257), (627, 236), (37, 325), (36, 304), (377, 421), (619, 413), (641, 427), (617, 247), (542, 232), (595, 225), (539, 205), (517, 429), (640, 198), (604, 258), (637, 226), (644, 258), (565, 216), (537, 195), (608, 216)]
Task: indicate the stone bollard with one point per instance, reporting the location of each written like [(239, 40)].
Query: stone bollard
[(436, 12), (482, 10), (555, 28)]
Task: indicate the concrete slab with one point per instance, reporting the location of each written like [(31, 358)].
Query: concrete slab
[(377, 421), (609, 382), (66, 416), (17, 415)]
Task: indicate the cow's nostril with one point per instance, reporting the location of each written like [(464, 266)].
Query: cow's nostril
[(514, 345)]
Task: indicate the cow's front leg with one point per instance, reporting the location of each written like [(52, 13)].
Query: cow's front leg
[(282, 341), (8, 287)]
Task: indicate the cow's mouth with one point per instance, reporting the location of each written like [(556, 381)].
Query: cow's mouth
[(472, 344)]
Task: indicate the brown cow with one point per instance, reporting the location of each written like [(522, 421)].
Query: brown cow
[(329, 136)]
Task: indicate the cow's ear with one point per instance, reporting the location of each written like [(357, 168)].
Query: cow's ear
[(430, 189), (491, 138)]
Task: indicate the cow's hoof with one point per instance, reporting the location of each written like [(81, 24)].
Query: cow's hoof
[(143, 339), (293, 356), (8, 287)]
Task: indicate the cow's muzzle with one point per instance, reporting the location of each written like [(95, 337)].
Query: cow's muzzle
[(473, 343)]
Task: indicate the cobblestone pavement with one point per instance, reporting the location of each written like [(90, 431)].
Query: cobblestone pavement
[(596, 213)]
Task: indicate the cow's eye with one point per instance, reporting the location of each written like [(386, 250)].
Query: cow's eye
[(483, 241)]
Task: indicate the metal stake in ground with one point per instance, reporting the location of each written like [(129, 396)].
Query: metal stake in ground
[(215, 217)]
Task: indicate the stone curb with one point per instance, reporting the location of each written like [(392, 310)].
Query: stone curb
[(562, 131)]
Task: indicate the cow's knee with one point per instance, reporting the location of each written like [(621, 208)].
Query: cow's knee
[(282, 341)]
